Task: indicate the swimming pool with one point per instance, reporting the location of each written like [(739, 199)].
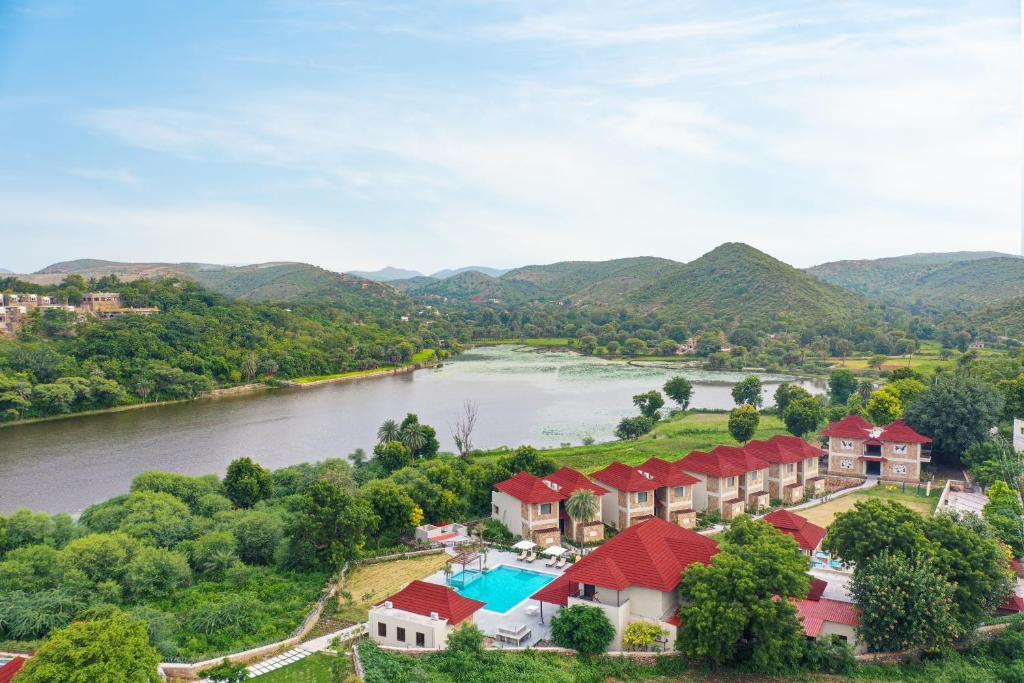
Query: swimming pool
[(500, 588)]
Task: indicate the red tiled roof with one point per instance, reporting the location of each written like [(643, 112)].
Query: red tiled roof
[(8, 670), (557, 592), (569, 481), (1013, 605), (797, 445), (900, 432), (851, 426), (624, 478), (667, 473), (652, 554), (529, 489), (722, 461), (816, 612), (818, 587), (774, 452), (807, 535), (420, 597)]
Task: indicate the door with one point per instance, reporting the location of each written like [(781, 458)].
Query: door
[(873, 468)]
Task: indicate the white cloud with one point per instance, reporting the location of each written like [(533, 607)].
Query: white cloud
[(113, 175)]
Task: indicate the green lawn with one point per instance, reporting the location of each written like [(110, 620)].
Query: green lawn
[(423, 356), (313, 669), (671, 439), (353, 373)]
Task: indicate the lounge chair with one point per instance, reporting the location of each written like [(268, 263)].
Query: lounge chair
[(514, 633), (551, 562), (522, 555), (530, 557), (561, 562)]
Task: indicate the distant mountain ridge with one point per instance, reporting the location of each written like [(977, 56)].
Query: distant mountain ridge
[(450, 272), (952, 280), (385, 274)]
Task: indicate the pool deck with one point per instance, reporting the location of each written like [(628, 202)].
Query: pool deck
[(489, 621)]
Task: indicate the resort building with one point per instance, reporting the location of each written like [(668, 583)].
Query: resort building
[(824, 617), (1018, 435), (534, 508), (731, 480), (630, 497), (673, 499), (421, 615), (857, 448), (808, 536), (793, 467), (101, 301), (634, 576)]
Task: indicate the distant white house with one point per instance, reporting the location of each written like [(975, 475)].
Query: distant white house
[(1018, 435)]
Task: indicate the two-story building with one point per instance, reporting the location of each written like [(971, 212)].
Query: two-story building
[(528, 507), (793, 467), (673, 497), (422, 616), (630, 497), (807, 535), (534, 507), (731, 480), (858, 448), (634, 576), (101, 301)]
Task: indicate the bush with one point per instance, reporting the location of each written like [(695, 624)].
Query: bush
[(641, 635), (832, 655), (494, 531), (582, 628)]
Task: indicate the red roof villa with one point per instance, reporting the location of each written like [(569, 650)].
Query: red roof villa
[(421, 615), (533, 507), (856, 448), (656, 488), (808, 536), (732, 480), (793, 467)]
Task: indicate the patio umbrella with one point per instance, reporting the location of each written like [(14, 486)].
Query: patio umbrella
[(524, 545), (555, 550)]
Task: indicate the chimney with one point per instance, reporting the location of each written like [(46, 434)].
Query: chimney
[(388, 604), (434, 616)]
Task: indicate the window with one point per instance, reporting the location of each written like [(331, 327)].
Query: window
[(495, 510), (400, 634), (641, 497), (900, 448), (847, 445), (789, 468), (545, 508), (754, 475), (382, 629), (730, 482), (421, 640), (680, 491)]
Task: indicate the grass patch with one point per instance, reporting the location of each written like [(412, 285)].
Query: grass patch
[(316, 668), (351, 373), (423, 356), (526, 341), (371, 583), (672, 438), (823, 514)]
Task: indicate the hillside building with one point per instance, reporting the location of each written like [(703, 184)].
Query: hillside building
[(857, 448)]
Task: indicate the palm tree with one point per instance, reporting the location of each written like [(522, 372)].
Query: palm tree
[(582, 507), (388, 432), (413, 436)]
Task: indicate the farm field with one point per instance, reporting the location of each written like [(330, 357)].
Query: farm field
[(370, 583), (672, 438)]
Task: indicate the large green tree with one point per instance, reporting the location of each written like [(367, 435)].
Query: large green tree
[(397, 511), (680, 390), (786, 393), (731, 612), (246, 482), (328, 527), (841, 385), (583, 628), (802, 415), (748, 391), (649, 403), (743, 421), (955, 411), (115, 649), (904, 603)]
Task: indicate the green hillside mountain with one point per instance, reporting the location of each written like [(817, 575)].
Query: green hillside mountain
[(475, 286), (1004, 320), (450, 272), (952, 279), (593, 282), (734, 281), (385, 274)]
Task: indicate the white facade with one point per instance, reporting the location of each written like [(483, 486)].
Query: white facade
[(393, 627), (633, 604), (1018, 435)]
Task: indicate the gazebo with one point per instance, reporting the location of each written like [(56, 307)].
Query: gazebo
[(464, 560)]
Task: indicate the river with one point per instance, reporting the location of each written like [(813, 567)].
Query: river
[(525, 396)]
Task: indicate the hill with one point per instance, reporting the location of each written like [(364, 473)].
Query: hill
[(476, 287), (593, 282), (1004, 320), (449, 272), (943, 279), (737, 282), (5, 271), (385, 274)]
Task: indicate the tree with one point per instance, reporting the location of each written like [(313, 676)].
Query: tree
[(156, 518), (649, 403), (633, 427), (642, 635), (214, 553), (872, 526), (748, 391), (731, 609), (226, 672), (1013, 397), (787, 393), (257, 534), (582, 507), (904, 603), (708, 343), (877, 361), (329, 527), (246, 483), (802, 416), (582, 628), (527, 459), (884, 407), (743, 336), (955, 411), (467, 639), (420, 439), (115, 649), (680, 390), (155, 572), (462, 433), (392, 456), (397, 511), (743, 421), (1003, 512), (842, 384), (389, 431)]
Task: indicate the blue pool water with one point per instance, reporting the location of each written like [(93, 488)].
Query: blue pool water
[(501, 588)]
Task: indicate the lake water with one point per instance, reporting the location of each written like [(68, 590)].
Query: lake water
[(525, 396)]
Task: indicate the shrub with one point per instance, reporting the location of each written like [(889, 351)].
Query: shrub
[(641, 635), (832, 655), (582, 628), (494, 531)]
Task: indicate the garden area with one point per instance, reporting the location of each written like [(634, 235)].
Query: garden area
[(316, 668), (823, 514), (369, 584)]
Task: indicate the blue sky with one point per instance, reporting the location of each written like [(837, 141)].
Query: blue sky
[(358, 134)]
